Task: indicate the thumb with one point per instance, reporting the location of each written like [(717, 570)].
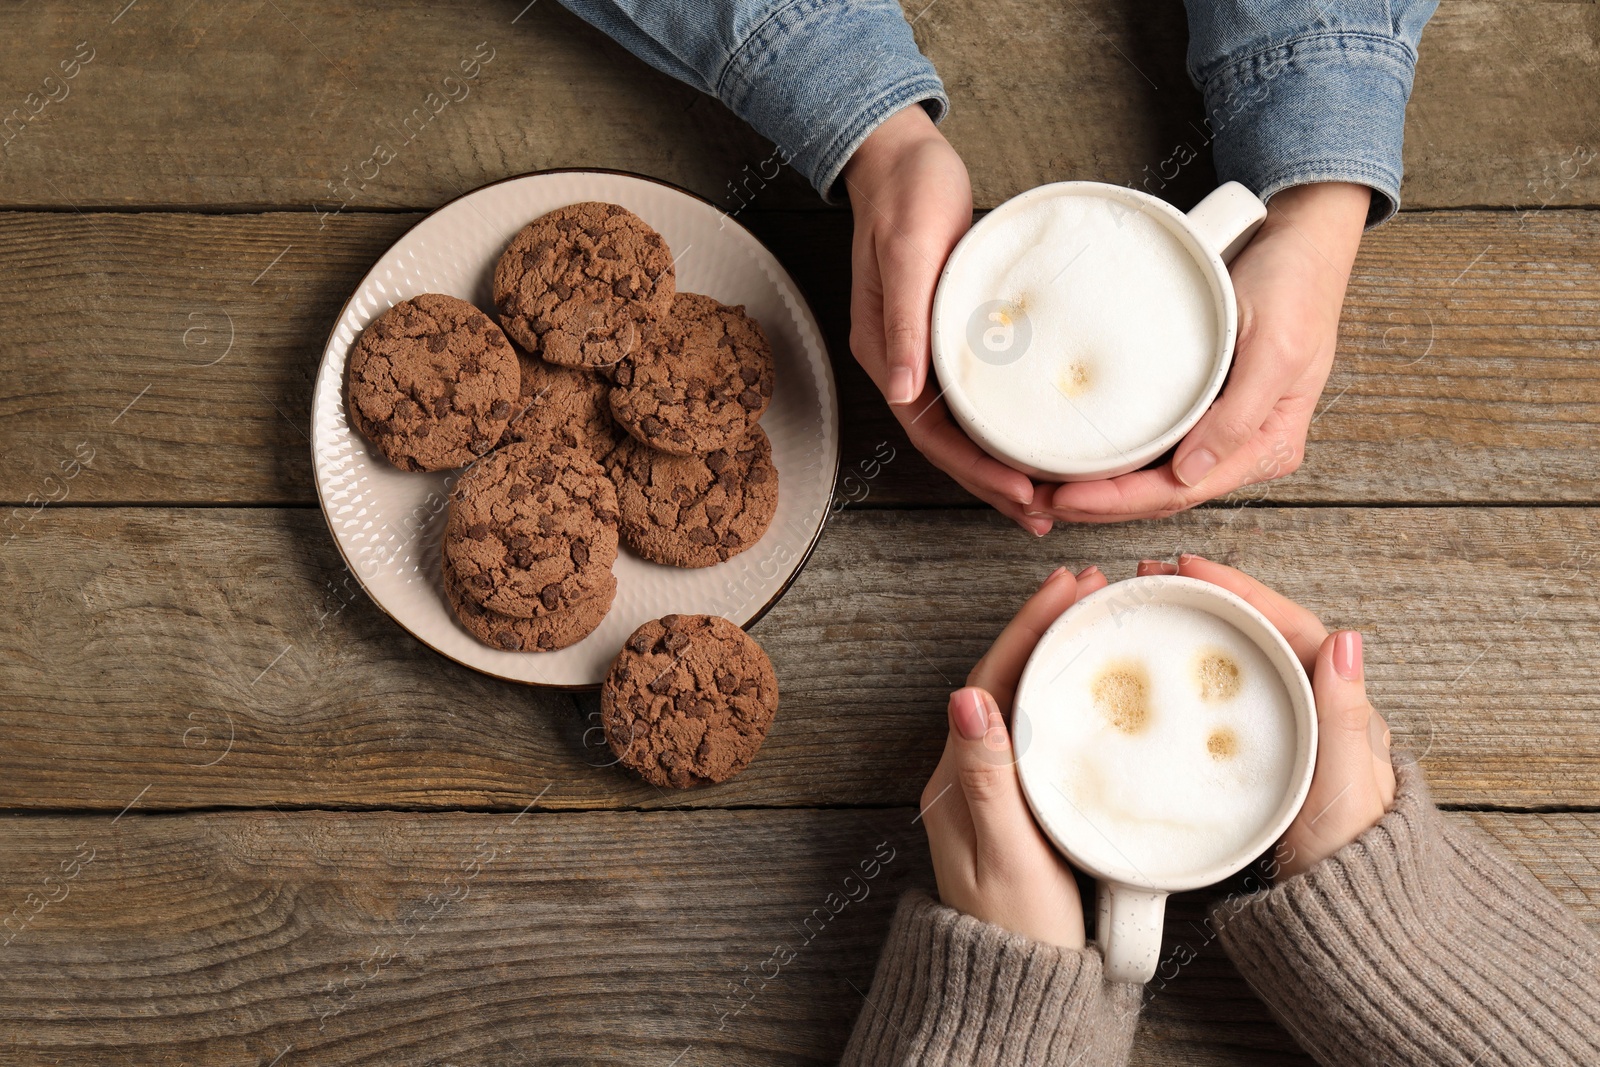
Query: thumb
[(909, 278), (1343, 785), (1230, 424), (1343, 712), (986, 768)]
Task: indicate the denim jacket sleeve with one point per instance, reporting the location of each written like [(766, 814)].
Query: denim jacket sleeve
[(1301, 91), (813, 76)]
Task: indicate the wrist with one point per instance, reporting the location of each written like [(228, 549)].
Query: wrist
[(1330, 215), (900, 133)]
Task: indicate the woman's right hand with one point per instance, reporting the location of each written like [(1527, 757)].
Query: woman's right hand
[(912, 202), (1353, 785)]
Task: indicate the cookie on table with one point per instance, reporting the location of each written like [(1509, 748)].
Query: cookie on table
[(532, 529), (688, 700), (700, 380), (546, 633), (576, 286), (566, 404), (694, 511), (432, 383)]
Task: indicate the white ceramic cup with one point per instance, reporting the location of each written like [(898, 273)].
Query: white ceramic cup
[(1130, 906), (1211, 234)]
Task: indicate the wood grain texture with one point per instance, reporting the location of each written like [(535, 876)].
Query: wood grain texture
[(179, 352), (406, 939), (223, 658), (168, 659), (205, 103)]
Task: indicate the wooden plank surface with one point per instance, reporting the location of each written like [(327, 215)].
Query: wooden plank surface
[(277, 104), (178, 351), (223, 658), (405, 939), (169, 662)]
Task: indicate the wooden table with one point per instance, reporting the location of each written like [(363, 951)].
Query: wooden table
[(248, 820)]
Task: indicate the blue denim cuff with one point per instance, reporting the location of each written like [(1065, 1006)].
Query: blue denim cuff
[(1328, 107), (819, 76)]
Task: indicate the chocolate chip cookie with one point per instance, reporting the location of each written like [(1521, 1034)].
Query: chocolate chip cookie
[(566, 404), (577, 286), (694, 511), (545, 633), (700, 380), (532, 530), (688, 700), (432, 382)]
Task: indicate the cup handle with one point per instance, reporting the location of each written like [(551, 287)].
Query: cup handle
[(1128, 930), (1227, 219)]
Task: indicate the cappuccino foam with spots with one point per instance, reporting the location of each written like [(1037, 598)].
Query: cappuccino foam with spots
[(1081, 329), (1165, 739)]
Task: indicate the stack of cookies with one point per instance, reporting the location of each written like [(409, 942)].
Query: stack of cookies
[(667, 387), (628, 415)]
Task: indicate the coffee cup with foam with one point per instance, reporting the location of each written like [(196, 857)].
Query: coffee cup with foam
[(1080, 329), (1166, 736)]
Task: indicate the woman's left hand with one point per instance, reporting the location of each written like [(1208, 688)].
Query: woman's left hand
[(1290, 281), (990, 858)]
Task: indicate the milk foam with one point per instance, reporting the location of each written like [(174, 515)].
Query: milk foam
[(1122, 330), (1180, 783)]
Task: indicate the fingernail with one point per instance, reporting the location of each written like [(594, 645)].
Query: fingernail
[(994, 724), (1053, 575), (1023, 496), (1044, 527), (1157, 566), (902, 387), (1036, 514), (1087, 571), (967, 711), (1347, 655), (1189, 557), (1193, 468)]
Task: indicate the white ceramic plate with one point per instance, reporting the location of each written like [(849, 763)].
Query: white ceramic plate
[(388, 523)]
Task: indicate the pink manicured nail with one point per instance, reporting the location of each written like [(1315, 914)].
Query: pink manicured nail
[(902, 386), (1088, 571), (1185, 558), (968, 712), (1347, 655), (1053, 575)]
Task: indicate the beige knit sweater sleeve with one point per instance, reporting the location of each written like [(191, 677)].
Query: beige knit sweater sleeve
[(953, 990), (1420, 943)]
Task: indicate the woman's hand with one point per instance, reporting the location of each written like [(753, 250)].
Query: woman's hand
[(1353, 784), (912, 202), (1290, 281), (990, 858)]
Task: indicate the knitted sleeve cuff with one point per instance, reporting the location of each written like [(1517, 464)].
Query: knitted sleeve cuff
[(1419, 943), (951, 989)]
